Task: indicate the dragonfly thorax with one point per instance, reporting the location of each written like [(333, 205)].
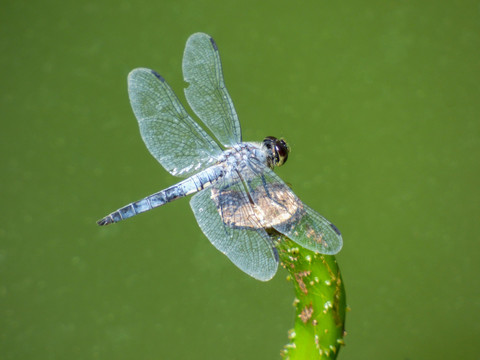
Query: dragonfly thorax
[(238, 156)]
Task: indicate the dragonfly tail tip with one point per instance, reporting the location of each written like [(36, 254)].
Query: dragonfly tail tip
[(105, 221)]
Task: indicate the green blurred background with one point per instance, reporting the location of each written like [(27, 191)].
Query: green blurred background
[(379, 101)]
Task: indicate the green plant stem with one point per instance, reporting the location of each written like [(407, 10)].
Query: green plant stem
[(320, 303)]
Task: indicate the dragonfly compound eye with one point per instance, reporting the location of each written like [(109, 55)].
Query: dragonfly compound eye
[(281, 151), (278, 150)]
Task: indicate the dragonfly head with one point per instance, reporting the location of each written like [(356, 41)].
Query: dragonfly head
[(277, 151)]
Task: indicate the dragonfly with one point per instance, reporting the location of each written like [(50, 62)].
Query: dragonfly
[(238, 199)]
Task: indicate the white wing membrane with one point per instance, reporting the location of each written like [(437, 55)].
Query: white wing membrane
[(287, 214), (170, 134), (206, 92), (314, 232), (249, 247)]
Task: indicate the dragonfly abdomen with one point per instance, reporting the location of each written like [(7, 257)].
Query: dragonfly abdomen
[(186, 187)]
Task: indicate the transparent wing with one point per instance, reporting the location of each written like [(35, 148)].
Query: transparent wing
[(283, 211), (219, 212), (206, 92), (313, 232), (170, 134)]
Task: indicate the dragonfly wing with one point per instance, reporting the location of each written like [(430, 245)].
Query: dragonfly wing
[(243, 241), (206, 92), (170, 134), (286, 213), (313, 232)]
